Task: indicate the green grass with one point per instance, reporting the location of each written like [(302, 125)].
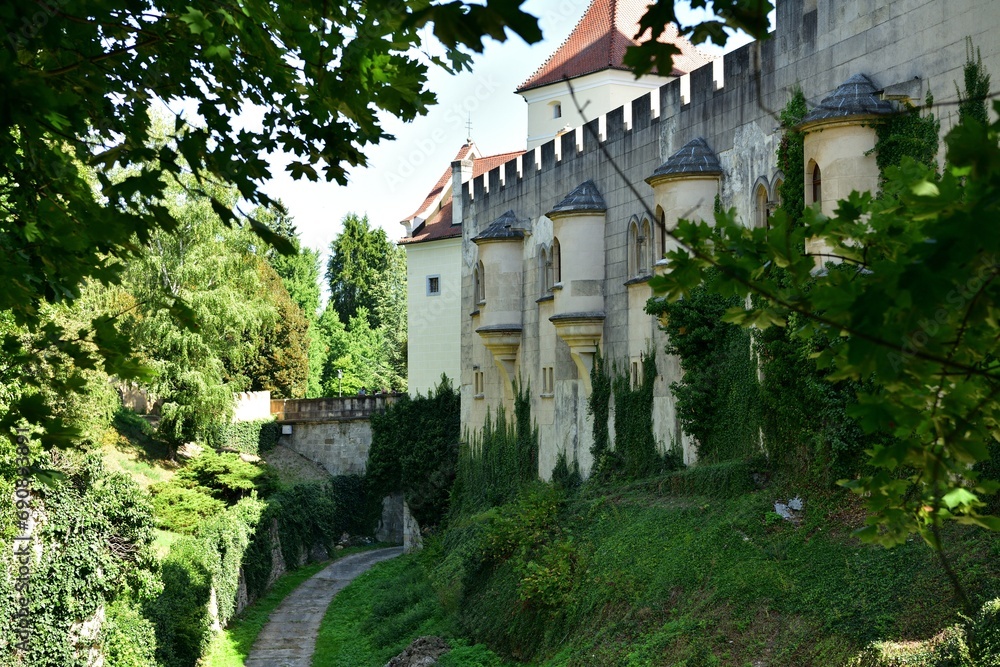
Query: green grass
[(655, 580), (671, 581), (231, 647), (382, 611)]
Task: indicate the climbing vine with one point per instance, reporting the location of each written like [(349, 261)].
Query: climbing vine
[(972, 104), (634, 439), (907, 134), (599, 409), (718, 397), (791, 157), (495, 464), (635, 453)]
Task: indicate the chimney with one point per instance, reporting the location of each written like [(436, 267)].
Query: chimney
[(461, 172)]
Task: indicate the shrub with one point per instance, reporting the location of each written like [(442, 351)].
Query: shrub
[(181, 509), (496, 464), (226, 476), (128, 639), (415, 450)]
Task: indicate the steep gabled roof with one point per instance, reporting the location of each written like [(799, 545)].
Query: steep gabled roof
[(599, 40), (436, 209)]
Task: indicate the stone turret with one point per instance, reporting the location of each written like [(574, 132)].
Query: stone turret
[(499, 292), (685, 186), (838, 145), (578, 254)]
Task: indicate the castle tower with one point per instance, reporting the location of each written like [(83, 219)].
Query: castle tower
[(591, 59)]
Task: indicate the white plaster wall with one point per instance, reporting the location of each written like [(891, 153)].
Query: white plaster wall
[(596, 94), (433, 322)]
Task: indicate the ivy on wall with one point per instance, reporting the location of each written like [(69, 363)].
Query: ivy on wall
[(634, 439), (972, 103), (718, 397), (414, 450), (791, 157), (599, 409), (907, 134), (94, 560), (635, 453), (495, 464)]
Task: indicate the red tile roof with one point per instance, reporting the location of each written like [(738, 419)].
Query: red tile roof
[(437, 205), (599, 40)]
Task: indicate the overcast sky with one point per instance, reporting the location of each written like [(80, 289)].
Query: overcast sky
[(401, 172)]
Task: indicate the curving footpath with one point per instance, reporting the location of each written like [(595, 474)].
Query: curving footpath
[(289, 638)]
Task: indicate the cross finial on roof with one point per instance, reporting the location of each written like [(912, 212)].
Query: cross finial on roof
[(468, 129)]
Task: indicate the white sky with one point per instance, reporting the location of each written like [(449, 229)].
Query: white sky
[(401, 172)]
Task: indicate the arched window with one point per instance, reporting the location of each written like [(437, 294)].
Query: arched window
[(633, 249), (643, 243), (557, 110), (545, 271), (761, 213), (479, 281), (661, 230), (556, 259), (776, 192), (817, 185)]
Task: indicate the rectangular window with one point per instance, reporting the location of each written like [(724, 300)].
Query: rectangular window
[(548, 381), (635, 374), (433, 285), (478, 384)]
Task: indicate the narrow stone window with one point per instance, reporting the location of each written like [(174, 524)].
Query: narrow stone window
[(548, 383), (556, 260), (556, 110), (433, 285), (544, 272), (661, 229), (760, 207), (479, 278), (817, 185), (633, 250), (479, 384), (643, 243)]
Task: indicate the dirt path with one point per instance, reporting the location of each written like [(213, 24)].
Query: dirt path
[(289, 638)]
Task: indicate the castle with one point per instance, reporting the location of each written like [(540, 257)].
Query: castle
[(524, 265)]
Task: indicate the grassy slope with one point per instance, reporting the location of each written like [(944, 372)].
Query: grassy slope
[(674, 581)]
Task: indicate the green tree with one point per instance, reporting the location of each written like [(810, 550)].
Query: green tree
[(299, 273), (281, 363), (79, 76), (360, 258)]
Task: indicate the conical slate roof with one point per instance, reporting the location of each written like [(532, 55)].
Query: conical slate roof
[(501, 229), (855, 97), (585, 197), (695, 157)]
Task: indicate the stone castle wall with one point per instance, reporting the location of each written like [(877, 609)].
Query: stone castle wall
[(733, 104)]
